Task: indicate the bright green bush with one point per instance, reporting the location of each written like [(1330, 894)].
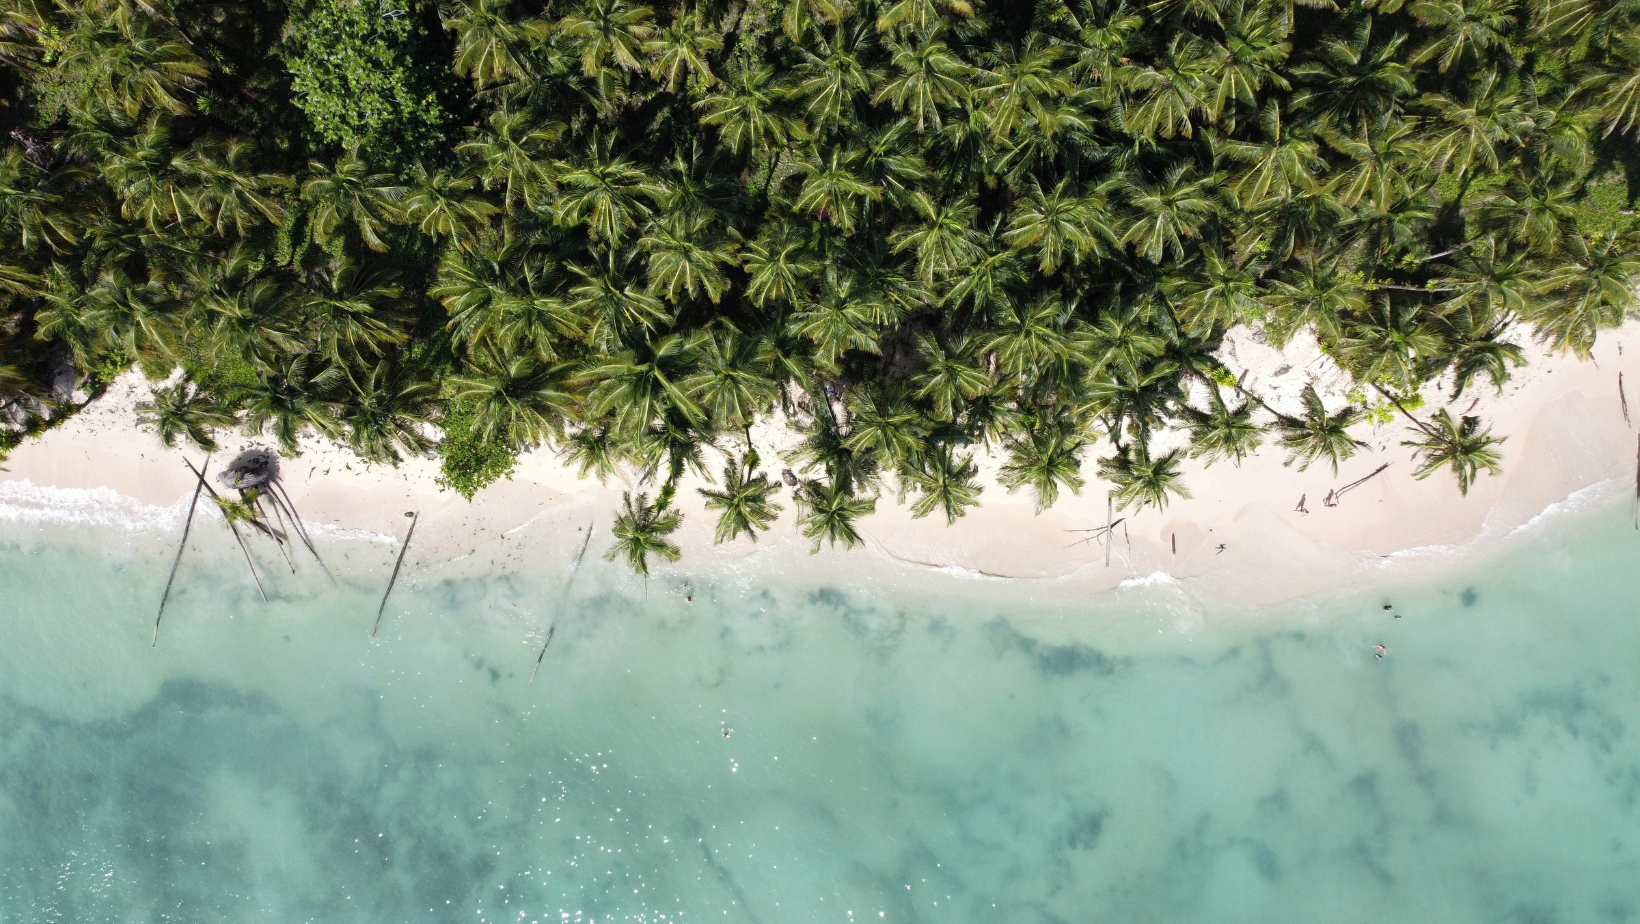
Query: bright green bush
[(469, 462), (365, 73)]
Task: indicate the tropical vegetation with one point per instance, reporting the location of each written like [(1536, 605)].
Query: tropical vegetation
[(923, 230)]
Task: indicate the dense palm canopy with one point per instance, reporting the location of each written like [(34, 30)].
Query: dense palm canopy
[(924, 228)]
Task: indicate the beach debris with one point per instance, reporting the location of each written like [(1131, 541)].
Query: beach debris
[(187, 526), (1623, 397), (562, 595), (1336, 496), (232, 512), (414, 516), (1101, 532), (1110, 512)]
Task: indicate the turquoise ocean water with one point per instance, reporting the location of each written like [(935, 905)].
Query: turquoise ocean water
[(905, 747)]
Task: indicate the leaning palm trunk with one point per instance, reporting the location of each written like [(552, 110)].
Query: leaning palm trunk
[(395, 578), (187, 527), (563, 595), (237, 537)]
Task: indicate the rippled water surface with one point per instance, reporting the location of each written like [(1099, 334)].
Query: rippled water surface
[(969, 752)]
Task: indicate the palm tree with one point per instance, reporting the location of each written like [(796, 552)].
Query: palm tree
[(924, 76), (920, 15), (291, 397), (607, 192), (185, 411), (947, 482), (1023, 81), (681, 51), (945, 242), (836, 77), (833, 190), (639, 386), (1045, 460), (517, 399), (515, 151), (641, 530), (225, 192), (745, 504), (778, 264), (32, 206), (733, 382), (1062, 225), (444, 205), (492, 43), (747, 110), (686, 257), (351, 192), (1319, 434), (1492, 119), (387, 411), (1222, 431), (1142, 481), (611, 306), (1462, 446), (826, 447), (353, 310), (1167, 214), (828, 513), (1462, 30), (1355, 81), (949, 378), (608, 32), (885, 426), (127, 68), (1591, 290)]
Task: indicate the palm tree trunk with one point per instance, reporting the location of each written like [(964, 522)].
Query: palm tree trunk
[(276, 533), (563, 595), (187, 527), (395, 578), (1402, 408), (281, 496), (237, 538)]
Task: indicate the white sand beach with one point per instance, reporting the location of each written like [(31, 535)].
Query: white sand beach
[(1239, 538)]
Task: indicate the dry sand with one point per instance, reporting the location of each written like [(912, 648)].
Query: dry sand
[(1238, 538)]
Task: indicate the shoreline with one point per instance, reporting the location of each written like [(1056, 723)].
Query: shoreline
[(1564, 420)]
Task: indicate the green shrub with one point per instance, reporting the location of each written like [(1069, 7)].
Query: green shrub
[(366, 74), (107, 367), (469, 462)]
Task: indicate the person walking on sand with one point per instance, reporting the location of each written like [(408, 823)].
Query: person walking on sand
[(1300, 508)]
